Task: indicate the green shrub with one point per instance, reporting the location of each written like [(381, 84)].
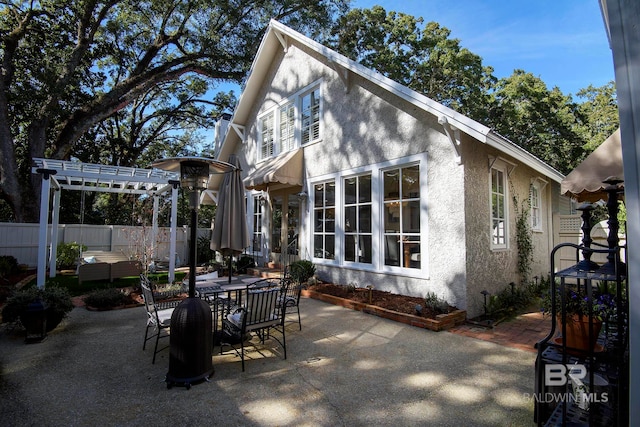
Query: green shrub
[(68, 254), (204, 253), (107, 298), (436, 304), (8, 265), (57, 299), (244, 263), (302, 270)]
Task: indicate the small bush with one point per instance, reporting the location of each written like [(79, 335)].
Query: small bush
[(204, 253), (68, 254), (302, 270), (8, 265), (57, 299), (244, 263), (107, 298), (436, 304)]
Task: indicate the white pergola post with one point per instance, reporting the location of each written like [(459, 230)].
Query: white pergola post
[(154, 228), (55, 220), (44, 224), (174, 223)]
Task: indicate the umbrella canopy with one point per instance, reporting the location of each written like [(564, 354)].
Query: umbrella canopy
[(230, 233), (585, 182)]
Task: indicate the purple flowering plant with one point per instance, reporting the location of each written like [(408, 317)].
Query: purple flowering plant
[(602, 303)]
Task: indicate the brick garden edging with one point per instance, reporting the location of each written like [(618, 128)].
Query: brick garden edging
[(440, 323)]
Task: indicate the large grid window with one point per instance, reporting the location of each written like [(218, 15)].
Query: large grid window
[(498, 207), (357, 219), (536, 203), (401, 212), (267, 136), (310, 110), (257, 224), (324, 215)]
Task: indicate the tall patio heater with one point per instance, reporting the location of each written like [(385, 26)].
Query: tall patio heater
[(191, 336)]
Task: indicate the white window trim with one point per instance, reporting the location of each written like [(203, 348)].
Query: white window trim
[(536, 195), (502, 166), (259, 144), (373, 231), (377, 224)]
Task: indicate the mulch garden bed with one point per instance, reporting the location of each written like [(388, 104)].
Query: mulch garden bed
[(401, 308)]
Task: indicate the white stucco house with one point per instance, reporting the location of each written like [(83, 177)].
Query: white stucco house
[(378, 184)]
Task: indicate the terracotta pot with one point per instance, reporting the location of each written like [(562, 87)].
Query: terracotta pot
[(577, 331)]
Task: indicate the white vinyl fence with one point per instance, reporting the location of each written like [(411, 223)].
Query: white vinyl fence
[(21, 241)]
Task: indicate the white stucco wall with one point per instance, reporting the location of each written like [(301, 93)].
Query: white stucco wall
[(493, 270), (363, 126)]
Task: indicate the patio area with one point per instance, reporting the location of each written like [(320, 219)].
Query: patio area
[(344, 368)]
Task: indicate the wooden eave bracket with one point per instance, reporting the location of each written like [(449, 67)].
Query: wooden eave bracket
[(542, 183), (454, 137), (344, 75), (283, 40), (239, 129), (510, 165)]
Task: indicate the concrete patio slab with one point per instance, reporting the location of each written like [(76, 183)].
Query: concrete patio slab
[(345, 368)]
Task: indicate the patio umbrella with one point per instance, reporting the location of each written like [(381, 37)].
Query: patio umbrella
[(230, 234)]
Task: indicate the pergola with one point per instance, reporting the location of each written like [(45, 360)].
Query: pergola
[(70, 175)]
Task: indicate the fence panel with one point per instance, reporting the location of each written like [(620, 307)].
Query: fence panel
[(21, 241)]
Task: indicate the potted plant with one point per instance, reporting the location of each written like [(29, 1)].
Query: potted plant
[(580, 328), (56, 300), (302, 270)]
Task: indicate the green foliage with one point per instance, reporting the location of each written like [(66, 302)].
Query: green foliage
[(243, 263), (70, 282), (576, 302), (204, 254), (524, 239), (302, 270), (56, 298), (8, 265), (68, 254), (107, 298), (420, 56), (600, 113), (123, 83), (436, 304), (542, 121), (515, 298)]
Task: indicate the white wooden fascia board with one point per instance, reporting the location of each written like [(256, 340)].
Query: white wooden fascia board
[(523, 156), (465, 124)]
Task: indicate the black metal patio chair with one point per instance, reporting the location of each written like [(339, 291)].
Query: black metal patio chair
[(260, 315), (158, 316), (290, 297)]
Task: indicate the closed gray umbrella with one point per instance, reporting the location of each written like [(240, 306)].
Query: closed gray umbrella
[(230, 233)]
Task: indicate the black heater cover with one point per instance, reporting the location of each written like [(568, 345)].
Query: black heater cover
[(191, 343)]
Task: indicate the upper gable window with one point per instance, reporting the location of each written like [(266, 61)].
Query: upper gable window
[(293, 123), (310, 109), (267, 133), (286, 136)]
